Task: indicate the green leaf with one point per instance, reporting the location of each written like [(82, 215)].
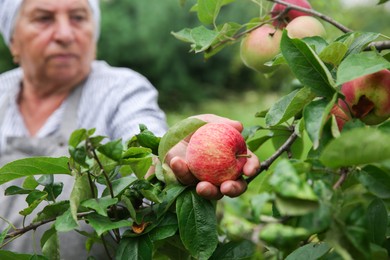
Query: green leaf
[(358, 146), (103, 224), (200, 37), (281, 236), (208, 10), (360, 64), (77, 137), (334, 53), (4, 233), (112, 150), (357, 41), (81, 191), (315, 116), (177, 133), (15, 190), (147, 139), (100, 205), (33, 166), (30, 183), (288, 106), (288, 183), (235, 250), (377, 221), (197, 224), (309, 251), (52, 211), (50, 244), (17, 256), (119, 185), (295, 207), (376, 181), (166, 228), (307, 66), (134, 248), (139, 166), (65, 222), (33, 200)]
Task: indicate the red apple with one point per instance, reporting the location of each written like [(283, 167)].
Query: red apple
[(260, 46), (216, 153), (368, 97), (281, 22)]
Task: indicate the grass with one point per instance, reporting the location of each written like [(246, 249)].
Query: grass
[(241, 107)]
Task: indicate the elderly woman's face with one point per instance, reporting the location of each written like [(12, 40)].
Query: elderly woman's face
[(54, 40)]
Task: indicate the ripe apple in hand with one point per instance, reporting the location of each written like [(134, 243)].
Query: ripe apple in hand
[(368, 97), (305, 26), (260, 46), (216, 152), (281, 22)]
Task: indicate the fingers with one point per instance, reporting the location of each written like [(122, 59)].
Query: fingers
[(233, 188), (183, 174), (208, 191), (252, 165)]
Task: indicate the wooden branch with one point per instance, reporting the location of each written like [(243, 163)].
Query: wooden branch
[(267, 163), (314, 13)]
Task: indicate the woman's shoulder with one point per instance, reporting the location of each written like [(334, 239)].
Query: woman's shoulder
[(10, 79), (111, 77), (101, 69)]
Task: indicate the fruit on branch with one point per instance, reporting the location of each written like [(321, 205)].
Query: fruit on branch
[(216, 152), (368, 97), (282, 21), (305, 26), (342, 116), (260, 46)]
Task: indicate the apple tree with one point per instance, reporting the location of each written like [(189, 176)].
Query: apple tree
[(327, 201)]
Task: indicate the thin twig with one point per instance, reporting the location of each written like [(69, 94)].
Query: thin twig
[(267, 163), (109, 185), (341, 180), (314, 13)]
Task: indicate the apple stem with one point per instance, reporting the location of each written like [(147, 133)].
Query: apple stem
[(243, 155)]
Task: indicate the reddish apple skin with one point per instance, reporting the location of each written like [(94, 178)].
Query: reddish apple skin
[(368, 97), (212, 153), (342, 116), (305, 26), (260, 46), (292, 14)]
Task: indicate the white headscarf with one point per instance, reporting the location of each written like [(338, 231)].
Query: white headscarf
[(9, 10)]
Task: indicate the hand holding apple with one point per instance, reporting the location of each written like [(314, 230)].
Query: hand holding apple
[(232, 188)]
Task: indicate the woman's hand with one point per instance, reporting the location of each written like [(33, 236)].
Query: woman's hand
[(176, 160)]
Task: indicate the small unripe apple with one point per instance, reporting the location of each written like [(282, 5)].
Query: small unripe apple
[(281, 22), (368, 97), (305, 26), (260, 46), (216, 152)]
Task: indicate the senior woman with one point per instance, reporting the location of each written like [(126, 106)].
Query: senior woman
[(59, 87)]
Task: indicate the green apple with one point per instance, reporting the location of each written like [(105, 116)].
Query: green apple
[(260, 46), (305, 26)]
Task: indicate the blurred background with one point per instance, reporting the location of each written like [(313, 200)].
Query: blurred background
[(137, 34)]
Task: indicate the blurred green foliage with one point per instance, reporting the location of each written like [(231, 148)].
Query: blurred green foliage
[(137, 34)]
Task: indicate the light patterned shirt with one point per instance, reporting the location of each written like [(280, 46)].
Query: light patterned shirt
[(113, 100)]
